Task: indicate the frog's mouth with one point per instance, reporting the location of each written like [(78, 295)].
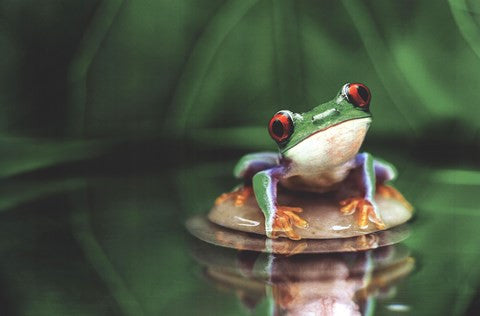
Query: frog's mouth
[(338, 124)]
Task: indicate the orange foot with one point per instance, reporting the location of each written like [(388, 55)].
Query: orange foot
[(365, 212), (283, 222), (390, 192), (240, 195)]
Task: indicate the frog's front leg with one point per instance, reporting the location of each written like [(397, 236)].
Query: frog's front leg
[(245, 169), (364, 205), (278, 219)]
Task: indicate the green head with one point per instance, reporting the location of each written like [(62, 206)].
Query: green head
[(289, 129)]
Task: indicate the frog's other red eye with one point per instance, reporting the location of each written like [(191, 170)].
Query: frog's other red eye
[(281, 127), (358, 94)]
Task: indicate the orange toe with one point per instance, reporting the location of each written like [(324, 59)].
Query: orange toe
[(390, 192), (285, 219), (364, 210), (239, 196)]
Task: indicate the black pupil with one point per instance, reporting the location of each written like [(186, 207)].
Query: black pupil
[(277, 128), (363, 93)]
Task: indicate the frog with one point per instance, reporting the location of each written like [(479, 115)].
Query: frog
[(318, 152)]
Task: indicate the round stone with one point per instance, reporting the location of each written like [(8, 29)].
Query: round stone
[(200, 227), (322, 212)]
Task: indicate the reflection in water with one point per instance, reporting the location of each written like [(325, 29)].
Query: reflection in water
[(325, 284)]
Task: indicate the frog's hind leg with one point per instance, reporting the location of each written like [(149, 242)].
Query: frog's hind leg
[(279, 220), (246, 167), (386, 172), (364, 205), (239, 195)]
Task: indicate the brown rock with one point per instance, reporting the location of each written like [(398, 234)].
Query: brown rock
[(322, 212), (203, 229)]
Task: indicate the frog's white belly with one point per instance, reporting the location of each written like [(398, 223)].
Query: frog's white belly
[(318, 180), (324, 159)]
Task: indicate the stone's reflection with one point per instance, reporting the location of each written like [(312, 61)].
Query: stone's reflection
[(320, 284)]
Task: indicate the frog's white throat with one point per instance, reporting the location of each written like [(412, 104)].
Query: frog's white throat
[(328, 148)]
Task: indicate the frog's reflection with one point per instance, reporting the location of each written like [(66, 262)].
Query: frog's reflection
[(325, 284)]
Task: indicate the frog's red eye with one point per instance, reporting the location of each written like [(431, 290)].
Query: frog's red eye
[(358, 94), (281, 127)]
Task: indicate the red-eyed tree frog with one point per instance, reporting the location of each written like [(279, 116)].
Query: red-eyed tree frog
[(318, 151)]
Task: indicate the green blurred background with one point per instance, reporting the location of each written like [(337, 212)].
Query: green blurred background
[(119, 119)]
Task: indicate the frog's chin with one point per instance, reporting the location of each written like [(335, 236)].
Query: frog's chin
[(330, 147)]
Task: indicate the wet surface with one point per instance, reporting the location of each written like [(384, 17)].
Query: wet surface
[(99, 240)]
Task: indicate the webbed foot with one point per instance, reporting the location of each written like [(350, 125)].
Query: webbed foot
[(239, 195), (390, 192), (284, 219), (365, 212)]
